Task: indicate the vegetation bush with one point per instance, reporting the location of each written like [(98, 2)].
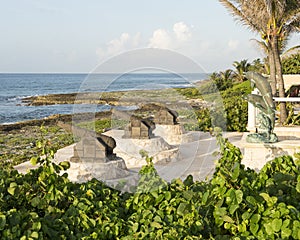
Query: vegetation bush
[(230, 114), (236, 203), (291, 64), (18, 145)]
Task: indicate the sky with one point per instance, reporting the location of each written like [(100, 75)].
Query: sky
[(76, 35)]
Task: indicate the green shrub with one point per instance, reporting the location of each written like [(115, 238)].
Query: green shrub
[(230, 114), (291, 65), (236, 203)]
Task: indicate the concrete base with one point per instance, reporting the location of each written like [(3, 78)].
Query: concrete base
[(195, 158), (129, 149), (175, 134), (288, 133), (105, 171), (256, 155)]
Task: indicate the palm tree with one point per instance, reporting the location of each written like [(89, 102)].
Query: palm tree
[(240, 69), (257, 66), (222, 80), (275, 20), (269, 64)]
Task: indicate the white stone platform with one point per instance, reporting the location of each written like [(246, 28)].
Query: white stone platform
[(256, 155), (129, 149), (196, 159), (175, 134)]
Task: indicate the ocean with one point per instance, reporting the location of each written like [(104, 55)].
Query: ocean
[(15, 87)]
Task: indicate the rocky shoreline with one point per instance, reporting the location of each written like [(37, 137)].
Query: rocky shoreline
[(118, 98), (111, 98), (49, 121)]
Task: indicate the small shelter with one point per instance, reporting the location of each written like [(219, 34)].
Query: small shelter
[(99, 149), (166, 116), (139, 128)]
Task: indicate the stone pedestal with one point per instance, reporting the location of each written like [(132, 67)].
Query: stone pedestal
[(252, 113), (94, 158), (113, 169), (174, 134), (129, 149), (256, 155)]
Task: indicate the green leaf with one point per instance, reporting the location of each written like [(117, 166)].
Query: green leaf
[(239, 196), (254, 228), (228, 219), (135, 227), (39, 144), (157, 219), (298, 187), (182, 208), (286, 233), (65, 165), (2, 221), (270, 200), (251, 200), (255, 218), (168, 195), (242, 227), (220, 211), (34, 161), (35, 201), (36, 226), (159, 199), (136, 199), (233, 208), (12, 187), (276, 224), (269, 228), (155, 225), (246, 216), (236, 171), (154, 194), (188, 195), (205, 197)]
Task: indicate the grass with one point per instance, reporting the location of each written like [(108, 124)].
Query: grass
[(100, 125), (18, 146)]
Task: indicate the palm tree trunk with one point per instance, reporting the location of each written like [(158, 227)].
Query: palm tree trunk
[(281, 89), (272, 71)]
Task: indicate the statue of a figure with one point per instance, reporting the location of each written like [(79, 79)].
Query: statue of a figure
[(265, 103)]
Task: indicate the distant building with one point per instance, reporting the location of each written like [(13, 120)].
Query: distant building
[(138, 128), (166, 116)]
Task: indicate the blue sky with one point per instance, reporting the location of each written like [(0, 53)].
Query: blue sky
[(77, 35)]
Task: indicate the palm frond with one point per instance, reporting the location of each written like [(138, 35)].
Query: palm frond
[(261, 45), (291, 51), (238, 14)]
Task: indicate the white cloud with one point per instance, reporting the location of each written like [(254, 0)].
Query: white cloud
[(118, 45), (182, 31), (173, 39), (213, 54), (160, 39)]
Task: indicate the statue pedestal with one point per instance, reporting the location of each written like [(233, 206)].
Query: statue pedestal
[(256, 155)]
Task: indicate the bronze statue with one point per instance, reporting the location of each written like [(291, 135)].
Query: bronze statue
[(265, 103)]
